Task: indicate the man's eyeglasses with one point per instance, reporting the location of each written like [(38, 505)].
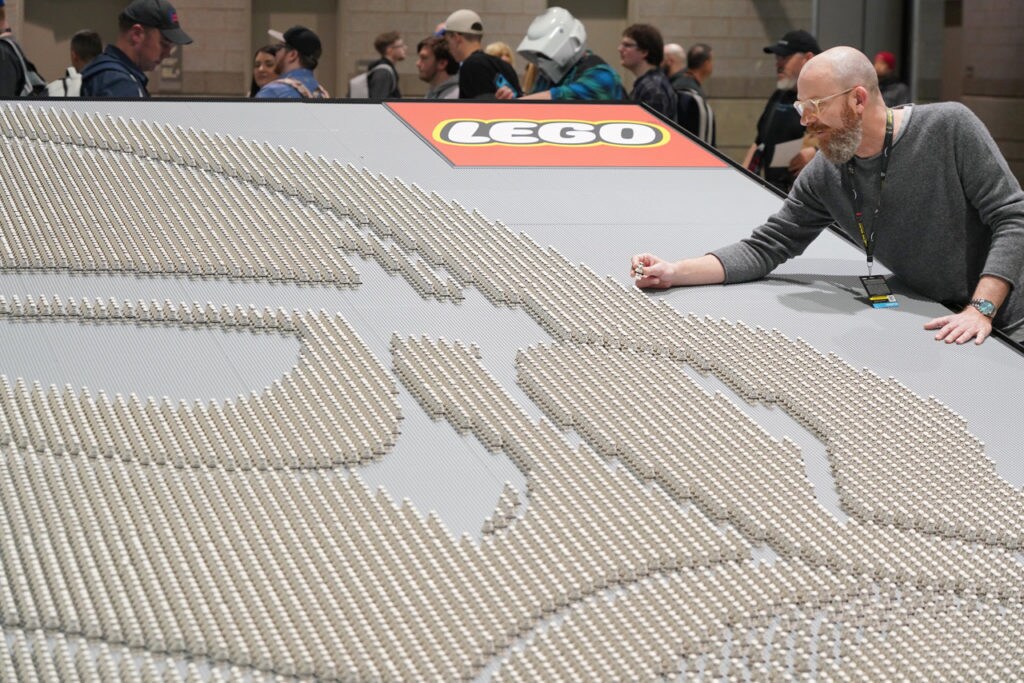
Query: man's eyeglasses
[(628, 44), (813, 107)]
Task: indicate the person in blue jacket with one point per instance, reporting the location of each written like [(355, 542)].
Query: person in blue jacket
[(147, 31), (298, 53)]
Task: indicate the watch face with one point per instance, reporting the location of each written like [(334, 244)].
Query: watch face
[(986, 307)]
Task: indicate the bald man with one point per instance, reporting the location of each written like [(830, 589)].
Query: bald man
[(688, 71), (948, 220)]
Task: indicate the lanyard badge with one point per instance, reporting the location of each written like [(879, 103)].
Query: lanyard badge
[(877, 289), (879, 294)]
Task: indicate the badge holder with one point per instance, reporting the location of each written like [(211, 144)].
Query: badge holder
[(877, 289)]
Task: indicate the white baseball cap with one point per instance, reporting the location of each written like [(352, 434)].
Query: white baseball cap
[(464, 21)]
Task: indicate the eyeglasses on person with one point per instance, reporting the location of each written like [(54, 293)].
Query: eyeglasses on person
[(813, 107)]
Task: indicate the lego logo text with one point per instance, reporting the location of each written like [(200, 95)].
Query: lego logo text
[(561, 133)]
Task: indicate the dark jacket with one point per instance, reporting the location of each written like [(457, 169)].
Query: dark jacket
[(383, 83), (894, 92), (654, 89), (11, 76), (113, 74), (779, 123)]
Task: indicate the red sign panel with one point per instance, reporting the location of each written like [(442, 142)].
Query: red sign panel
[(522, 134)]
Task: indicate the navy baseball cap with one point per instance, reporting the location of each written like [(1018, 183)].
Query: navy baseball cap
[(793, 42), (158, 14)]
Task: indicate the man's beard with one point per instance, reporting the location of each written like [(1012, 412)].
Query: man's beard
[(785, 83), (840, 144)]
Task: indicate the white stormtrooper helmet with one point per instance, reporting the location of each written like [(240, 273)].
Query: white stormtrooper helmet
[(554, 42)]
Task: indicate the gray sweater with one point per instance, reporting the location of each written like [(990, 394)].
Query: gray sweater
[(951, 212)]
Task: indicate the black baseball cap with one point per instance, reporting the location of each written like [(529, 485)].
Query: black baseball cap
[(157, 14), (793, 42), (300, 38)]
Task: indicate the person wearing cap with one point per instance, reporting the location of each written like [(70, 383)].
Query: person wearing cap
[(297, 56), (779, 121), (480, 74), (147, 31), (894, 92), (922, 188), (555, 44)]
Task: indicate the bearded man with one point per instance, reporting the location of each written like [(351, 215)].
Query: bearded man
[(780, 122), (922, 187)]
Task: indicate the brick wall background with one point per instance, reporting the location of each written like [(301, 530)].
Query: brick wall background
[(993, 77)]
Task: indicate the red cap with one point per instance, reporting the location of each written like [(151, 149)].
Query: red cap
[(887, 57)]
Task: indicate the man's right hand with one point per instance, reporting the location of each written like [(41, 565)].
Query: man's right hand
[(651, 272)]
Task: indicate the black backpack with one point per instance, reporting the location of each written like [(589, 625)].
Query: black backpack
[(693, 114), (32, 84)]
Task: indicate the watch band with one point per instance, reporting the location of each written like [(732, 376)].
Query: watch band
[(984, 306)]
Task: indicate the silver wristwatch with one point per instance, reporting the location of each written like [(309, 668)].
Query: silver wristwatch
[(984, 306)]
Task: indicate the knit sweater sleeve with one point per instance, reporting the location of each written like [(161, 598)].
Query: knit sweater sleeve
[(785, 234), (994, 192)]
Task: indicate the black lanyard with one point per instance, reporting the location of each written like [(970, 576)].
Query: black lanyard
[(858, 198)]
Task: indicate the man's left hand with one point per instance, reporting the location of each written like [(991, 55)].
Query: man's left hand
[(960, 328)]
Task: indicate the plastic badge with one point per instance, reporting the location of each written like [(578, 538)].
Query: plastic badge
[(879, 294)]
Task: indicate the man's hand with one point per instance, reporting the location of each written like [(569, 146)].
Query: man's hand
[(504, 93), (650, 272), (961, 327), (802, 158)]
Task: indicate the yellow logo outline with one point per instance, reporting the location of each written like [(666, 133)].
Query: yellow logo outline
[(663, 131)]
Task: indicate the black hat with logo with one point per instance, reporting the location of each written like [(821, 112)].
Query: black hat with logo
[(793, 42), (157, 14)]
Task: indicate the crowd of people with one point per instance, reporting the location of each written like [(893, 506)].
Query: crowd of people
[(836, 127), (454, 63)]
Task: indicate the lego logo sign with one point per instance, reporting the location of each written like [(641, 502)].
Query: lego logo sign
[(573, 133), (534, 134)]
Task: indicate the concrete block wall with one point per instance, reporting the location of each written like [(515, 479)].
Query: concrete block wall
[(217, 62), (993, 78)]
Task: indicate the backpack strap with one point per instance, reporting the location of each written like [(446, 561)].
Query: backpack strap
[(294, 83), (589, 61), (319, 93), (26, 82)]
